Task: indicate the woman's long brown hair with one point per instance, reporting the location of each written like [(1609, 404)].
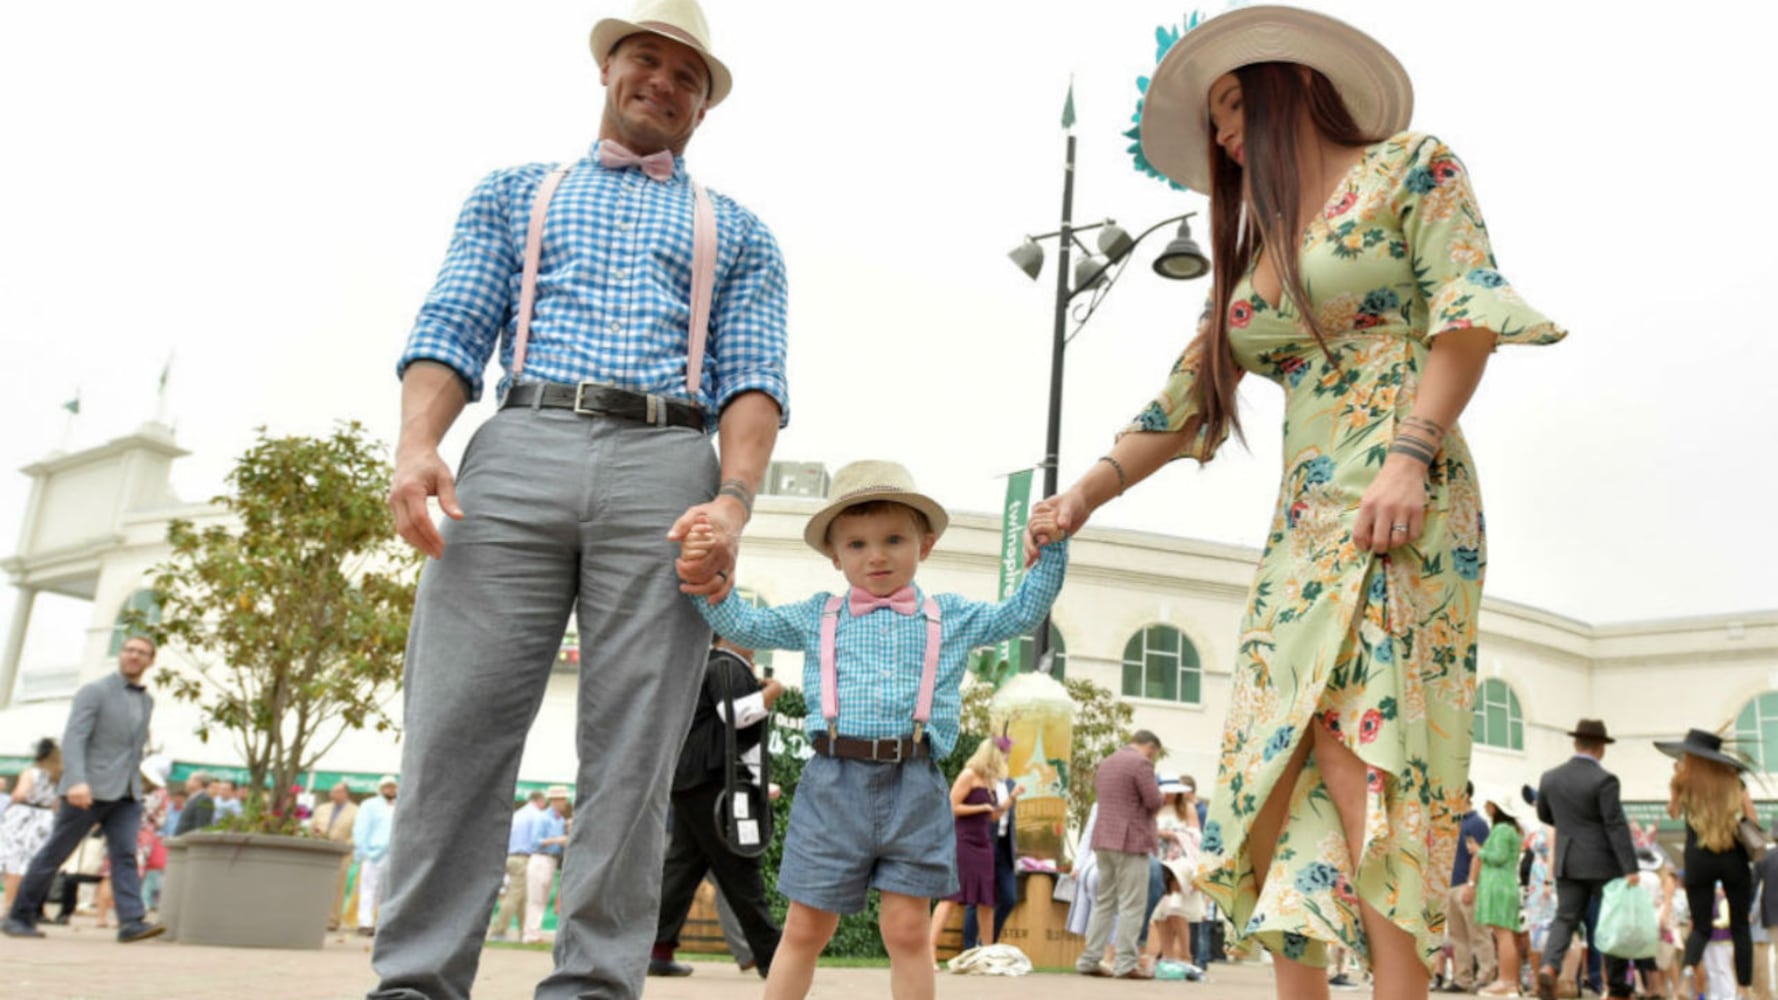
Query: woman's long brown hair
[(1276, 98), (1710, 799)]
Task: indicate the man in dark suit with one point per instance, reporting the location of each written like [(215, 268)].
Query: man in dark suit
[(696, 846), (101, 786), (200, 808), (1593, 846)]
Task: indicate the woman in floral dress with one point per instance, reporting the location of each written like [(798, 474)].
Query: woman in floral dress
[(1359, 635), (27, 822)]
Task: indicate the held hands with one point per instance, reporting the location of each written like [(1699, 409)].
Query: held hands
[(709, 535), (420, 474), (1053, 519)]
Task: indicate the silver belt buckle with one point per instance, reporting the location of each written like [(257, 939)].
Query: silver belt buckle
[(580, 406), (893, 760)]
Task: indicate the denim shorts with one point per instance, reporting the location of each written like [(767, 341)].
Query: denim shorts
[(858, 825)]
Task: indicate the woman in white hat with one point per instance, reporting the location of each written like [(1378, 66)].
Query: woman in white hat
[(1359, 639), (1495, 884)]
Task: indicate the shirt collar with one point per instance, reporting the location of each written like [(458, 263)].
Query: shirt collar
[(592, 154), (1589, 758)]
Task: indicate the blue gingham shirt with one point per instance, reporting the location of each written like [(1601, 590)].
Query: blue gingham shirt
[(878, 657), (613, 288)]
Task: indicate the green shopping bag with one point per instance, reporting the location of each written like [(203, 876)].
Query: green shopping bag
[(1627, 924)]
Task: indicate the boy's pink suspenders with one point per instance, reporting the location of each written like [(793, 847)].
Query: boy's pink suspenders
[(830, 695), (703, 275)]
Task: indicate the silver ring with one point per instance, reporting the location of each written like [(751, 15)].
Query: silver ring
[(1398, 527)]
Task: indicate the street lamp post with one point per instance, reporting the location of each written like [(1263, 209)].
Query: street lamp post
[(1181, 261)]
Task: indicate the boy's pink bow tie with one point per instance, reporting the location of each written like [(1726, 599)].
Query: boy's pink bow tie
[(657, 165), (902, 602)]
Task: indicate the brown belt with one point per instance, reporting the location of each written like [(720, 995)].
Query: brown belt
[(877, 751)]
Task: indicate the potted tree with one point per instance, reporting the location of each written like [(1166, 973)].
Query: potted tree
[(294, 617)]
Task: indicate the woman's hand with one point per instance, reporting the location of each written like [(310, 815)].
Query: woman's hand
[(1393, 510), (1053, 519)]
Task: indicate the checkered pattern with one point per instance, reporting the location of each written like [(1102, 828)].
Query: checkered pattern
[(613, 288), (879, 656)]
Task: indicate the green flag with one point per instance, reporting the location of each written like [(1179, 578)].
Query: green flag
[(1012, 556), (73, 405), (1068, 108)]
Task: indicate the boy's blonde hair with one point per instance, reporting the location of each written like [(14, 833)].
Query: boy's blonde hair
[(921, 523)]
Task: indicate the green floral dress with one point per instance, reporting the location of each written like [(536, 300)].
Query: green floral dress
[(1382, 648), (1497, 884)]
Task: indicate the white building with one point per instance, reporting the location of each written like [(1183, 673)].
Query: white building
[(1151, 616)]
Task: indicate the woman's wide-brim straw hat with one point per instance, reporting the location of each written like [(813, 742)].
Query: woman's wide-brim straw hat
[(682, 21), (1700, 743), (862, 482), (1176, 108)]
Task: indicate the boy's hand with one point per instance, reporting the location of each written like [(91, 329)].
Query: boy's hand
[(699, 550)]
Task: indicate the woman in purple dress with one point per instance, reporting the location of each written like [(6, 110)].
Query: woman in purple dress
[(974, 809)]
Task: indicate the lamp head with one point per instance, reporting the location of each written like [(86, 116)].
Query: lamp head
[(1028, 256), (1089, 272), (1113, 241), (1183, 260)]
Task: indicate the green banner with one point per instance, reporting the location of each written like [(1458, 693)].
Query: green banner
[(1012, 561)]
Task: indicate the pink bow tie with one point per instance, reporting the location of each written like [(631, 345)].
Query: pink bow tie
[(658, 165), (902, 602)]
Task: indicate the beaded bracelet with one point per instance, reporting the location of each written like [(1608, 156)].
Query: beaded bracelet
[(1123, 480)]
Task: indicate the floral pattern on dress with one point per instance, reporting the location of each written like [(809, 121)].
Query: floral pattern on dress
[(25, 825), (1380, 648)]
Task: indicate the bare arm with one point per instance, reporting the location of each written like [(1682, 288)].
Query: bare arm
[(22, 790), (1398, 495), (747, 432), (1140, 455), (432, 395)]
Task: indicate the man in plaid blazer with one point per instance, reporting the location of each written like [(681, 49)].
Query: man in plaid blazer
[(1123, 839)]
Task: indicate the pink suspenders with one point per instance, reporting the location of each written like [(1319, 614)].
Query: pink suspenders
[(703, 275), (830, 695)]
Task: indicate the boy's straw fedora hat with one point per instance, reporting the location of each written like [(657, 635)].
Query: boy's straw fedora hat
[(862, 482)]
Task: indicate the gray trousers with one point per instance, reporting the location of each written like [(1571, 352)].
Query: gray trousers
[(560, 512), (1123, 900)]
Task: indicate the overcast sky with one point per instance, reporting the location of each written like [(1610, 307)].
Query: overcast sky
[(264, 192)]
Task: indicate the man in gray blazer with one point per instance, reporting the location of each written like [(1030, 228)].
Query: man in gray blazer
[(101, 786), (1593, 846)]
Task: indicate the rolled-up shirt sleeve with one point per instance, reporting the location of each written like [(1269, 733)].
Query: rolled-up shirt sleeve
[(471, 301), (749, 323)]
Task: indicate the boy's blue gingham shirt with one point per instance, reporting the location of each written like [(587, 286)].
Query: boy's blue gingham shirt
[(613, 288), (878, 658)]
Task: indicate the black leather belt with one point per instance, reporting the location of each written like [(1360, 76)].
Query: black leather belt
[(592, 399), (876, 751)]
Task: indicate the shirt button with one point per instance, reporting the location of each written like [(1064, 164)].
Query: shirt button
[(621, 273), (616, 326), (623, 227)]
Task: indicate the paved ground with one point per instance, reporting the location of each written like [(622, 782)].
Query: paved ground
[(83, 963)]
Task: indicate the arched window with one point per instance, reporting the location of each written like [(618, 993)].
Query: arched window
[(1498, 721), (142, 601), (1028, 652), (762, 658), (1161, 663), (1756, 731)]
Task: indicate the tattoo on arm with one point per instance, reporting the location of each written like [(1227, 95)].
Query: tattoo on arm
[(737, 489), (1433, 430), (1415, 449)]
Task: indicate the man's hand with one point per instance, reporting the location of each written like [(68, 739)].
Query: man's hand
[(80, 796), (710, 536), (1633, 878), (420, 474)]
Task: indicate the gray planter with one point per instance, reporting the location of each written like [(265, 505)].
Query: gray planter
[(255, 890), (173, 886)]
